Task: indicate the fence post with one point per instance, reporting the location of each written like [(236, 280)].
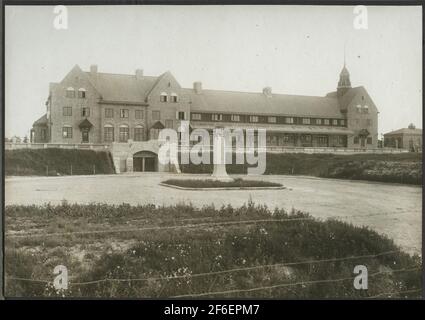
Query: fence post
[(47, 170), (94, 169), (71, 169)]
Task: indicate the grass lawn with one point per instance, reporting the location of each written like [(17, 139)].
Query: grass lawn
[(56, 161), (236, 183), (246, 252), (399, 168)]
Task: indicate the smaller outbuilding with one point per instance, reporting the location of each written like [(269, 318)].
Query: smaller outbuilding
[(409, 138)]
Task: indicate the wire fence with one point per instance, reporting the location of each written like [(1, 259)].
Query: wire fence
[(188, 226), (227, 271)]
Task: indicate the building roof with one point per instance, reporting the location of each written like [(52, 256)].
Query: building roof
[(259, 103), (42, 121), (85, 124), (406, 131), (120, 88)]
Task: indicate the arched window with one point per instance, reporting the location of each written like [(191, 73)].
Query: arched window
[(163, 97), (139, 133), (174, 97), (108, 133), (70, 92), (124, 133), (82, 93)]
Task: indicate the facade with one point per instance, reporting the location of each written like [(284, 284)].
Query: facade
[(123, 110), (406, 138)]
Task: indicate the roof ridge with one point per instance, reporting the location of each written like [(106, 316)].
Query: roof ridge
[(260, 93)]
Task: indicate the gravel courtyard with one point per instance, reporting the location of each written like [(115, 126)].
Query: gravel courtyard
[(391, 209)]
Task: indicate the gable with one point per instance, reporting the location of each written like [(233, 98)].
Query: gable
[(165, 83)]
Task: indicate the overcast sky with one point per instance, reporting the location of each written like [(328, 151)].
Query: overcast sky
[(293, 49)]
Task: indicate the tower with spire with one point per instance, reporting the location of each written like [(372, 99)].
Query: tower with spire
[(344, 83)]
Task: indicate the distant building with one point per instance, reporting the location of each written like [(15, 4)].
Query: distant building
[(126, 110), (408, 138)]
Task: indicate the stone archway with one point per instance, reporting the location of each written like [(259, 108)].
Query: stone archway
[(145, 161)]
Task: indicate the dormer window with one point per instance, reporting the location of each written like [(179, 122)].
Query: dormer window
[(163, 97), (82, 93), (174, 97), (70, 92)]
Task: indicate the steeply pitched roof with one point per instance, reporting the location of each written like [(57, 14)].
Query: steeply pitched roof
[(122, 87), (258, 103), (85, 124), (42, 121), (405, 131)]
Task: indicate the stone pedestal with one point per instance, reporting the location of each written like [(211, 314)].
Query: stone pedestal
[(219, 157)]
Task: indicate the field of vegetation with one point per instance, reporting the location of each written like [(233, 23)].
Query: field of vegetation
[(396, 168), (183, 251), (236, 183), (56, 161)]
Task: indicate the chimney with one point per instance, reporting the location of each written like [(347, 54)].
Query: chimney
[(93, 69), (197, 86), (267, 91), (139, 74)]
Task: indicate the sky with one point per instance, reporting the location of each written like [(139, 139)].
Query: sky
[(293, 49)]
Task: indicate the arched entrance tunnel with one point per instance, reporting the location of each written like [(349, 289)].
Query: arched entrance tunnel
[(145, 161)]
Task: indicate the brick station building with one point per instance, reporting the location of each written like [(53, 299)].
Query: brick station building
[(128, 111)]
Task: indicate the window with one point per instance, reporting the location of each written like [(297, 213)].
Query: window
[(109, 113), (163, 97), (253, 118), (108, 133), (124, 134), (169, 124), (322, 140), (216, 117), (139, 133), (156, 115), (67, 132), (335, 122), (173, 97), (356, 140), (368, 122), (342, 122), (82, 93), (138, 114), (272, 119), (289, 120), (318, 121), (366, 109), (85, 112), (124, 113), (306, 138), (181, 115), (369, 140), (196, 116), (326, 121), (70, 92), (235, 117), (359, 108), (67, 111), (306, 120)]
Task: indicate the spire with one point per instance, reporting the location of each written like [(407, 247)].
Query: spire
[(344, 83)]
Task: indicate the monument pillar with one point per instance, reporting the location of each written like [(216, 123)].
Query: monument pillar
[(219, 156)]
